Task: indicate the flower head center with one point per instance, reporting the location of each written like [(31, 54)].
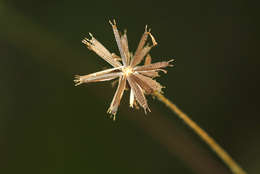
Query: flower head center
[(127, 70)]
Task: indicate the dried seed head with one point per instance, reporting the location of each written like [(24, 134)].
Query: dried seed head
[(138, 78)]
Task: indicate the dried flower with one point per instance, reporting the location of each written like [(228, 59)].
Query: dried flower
[(138, 78)]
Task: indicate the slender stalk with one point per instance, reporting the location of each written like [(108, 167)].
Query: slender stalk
[(223, 155)]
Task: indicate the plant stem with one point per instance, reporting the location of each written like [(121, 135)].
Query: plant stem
[(223, 155)]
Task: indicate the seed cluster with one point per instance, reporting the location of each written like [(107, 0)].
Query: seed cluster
[(140, 78)]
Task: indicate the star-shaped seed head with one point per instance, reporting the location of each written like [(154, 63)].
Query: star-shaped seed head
[(139, 78)]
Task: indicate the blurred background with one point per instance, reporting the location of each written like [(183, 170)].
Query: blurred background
[(49, 126)]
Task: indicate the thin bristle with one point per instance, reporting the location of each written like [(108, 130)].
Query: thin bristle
[(113, 24), (85, 41), (163, 70), (145, 28), (145, 110), (153, 39), (90, 35), (112, 114), (170, 65), (77, 80)]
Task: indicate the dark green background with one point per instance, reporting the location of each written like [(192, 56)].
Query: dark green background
[(48, 126)]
